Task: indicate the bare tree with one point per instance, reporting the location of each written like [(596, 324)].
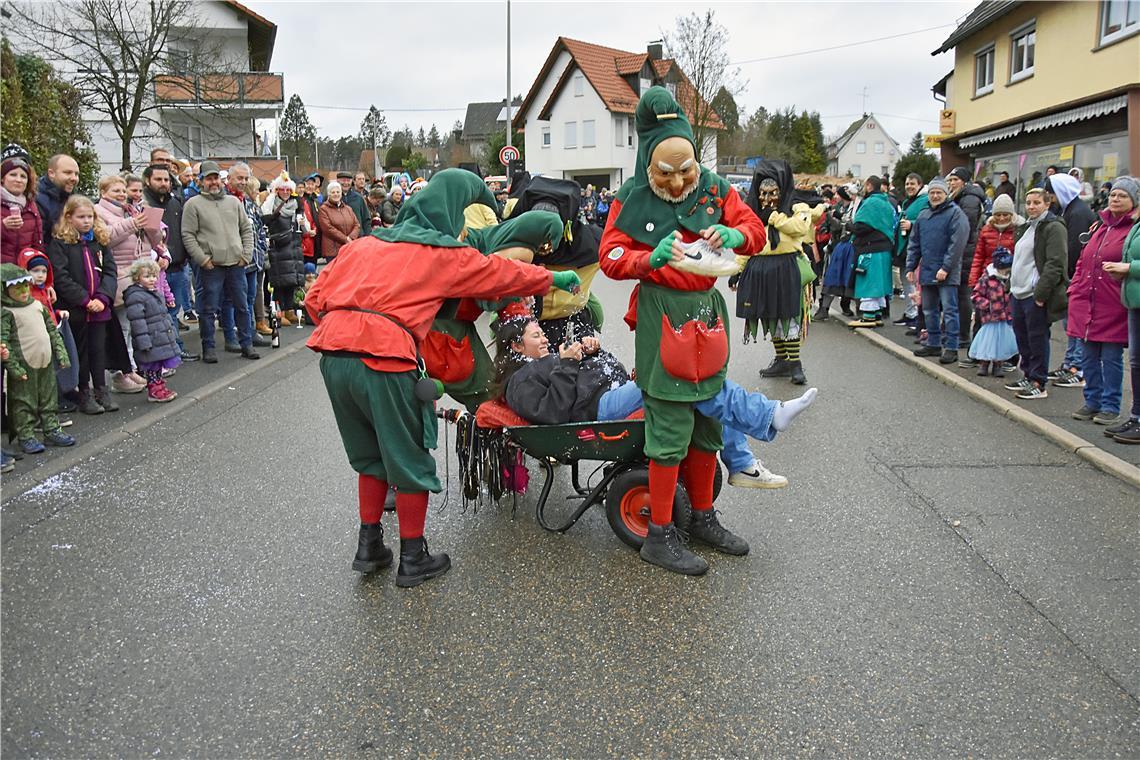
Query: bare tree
[(121, 54), (699, 46)]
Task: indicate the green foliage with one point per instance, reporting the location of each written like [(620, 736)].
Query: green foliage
[(374, 129), (433, 138), (414, 162), (495, 143), (42, 113), (298, 135), (397, 156), (795, 137), (725, 106), (916, 160)]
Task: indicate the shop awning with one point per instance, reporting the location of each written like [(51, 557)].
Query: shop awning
[(992, 136), (1080, 113)]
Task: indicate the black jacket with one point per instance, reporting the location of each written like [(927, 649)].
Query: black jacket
[(50, 200), (286, 261), (554, 391), (972, 201), (1078, 217), (69, 272), (172, 217)]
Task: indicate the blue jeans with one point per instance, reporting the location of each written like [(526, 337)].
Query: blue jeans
[(1104, 375), (739, 411), (940, 304), (232, 281), (179, 282), (228, 308), (1072, 358)]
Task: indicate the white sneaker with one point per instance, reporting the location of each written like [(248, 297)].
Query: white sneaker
[(758, 476)]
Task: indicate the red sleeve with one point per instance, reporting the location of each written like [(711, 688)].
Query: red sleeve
[(620, 256), (981, 257), (474, 275), (737, 214)]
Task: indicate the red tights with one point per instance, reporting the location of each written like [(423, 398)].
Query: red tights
[(696, 471), (411, 508)]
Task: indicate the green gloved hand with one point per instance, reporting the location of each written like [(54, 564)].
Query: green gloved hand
[(567, 281), (732, 238), (663, 253)]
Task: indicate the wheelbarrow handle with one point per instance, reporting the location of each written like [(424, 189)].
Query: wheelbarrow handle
[(620, 436)]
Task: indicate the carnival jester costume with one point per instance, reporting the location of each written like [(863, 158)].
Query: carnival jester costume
[(681, 319), (874, 234), (373, 306)]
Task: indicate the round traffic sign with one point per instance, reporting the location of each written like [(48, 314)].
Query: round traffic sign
[(507, 154)]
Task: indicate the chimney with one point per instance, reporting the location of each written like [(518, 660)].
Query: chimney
[(655, 49)]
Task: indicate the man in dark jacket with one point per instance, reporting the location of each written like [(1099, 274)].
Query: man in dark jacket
[(934, 261), (54, 189), (1005, 187), (1062, 193), (356, 202), (158, 192), (972, 200)]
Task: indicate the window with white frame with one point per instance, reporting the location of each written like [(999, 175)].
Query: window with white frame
[(860, 147), (629, 131), (672, 88), (546, 137), (645, 84), (1118, 19), (855, 170), (588, 133), (1022, 46), (619, 131), (984, 71), (571, 140), (579, 85), (187, 138), (878, 147)]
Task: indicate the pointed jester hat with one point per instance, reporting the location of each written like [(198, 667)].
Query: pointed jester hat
[(434, 215)]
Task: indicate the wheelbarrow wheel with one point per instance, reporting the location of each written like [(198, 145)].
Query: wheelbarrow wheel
[(627, 506)]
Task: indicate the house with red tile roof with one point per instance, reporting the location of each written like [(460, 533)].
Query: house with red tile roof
[(577, 117)]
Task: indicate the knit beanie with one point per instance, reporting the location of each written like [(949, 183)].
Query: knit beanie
[(938, 183), (1003, 204), (33, 258), (14, 162), (1129, 185), (961, 173)]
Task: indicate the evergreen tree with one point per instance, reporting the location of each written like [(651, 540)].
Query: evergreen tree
[(725, 106), (421, 138), (916, 160), (433, 137), (297, 132), (374, 129)]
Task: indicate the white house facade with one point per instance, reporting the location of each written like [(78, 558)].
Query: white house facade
[(577, 118), (863, 149)]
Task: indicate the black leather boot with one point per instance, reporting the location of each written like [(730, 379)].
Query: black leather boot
[(371, 553), (708, 530), (663, 548), (796, 370), (417, 565), (778, 368)]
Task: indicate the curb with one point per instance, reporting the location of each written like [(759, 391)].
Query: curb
[(1070, 442), (130, 429)]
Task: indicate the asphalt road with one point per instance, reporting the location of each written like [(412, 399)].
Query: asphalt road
[(936, 582)]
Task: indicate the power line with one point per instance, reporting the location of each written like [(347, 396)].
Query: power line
[(840, 47), (383, 110)]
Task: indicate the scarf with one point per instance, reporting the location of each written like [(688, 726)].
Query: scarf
[(16, 200)]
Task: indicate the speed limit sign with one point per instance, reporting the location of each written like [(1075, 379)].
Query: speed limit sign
[(507, 154)]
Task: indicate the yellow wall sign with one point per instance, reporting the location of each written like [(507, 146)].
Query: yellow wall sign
[(932, 141), (946, 121), (1066, 153)]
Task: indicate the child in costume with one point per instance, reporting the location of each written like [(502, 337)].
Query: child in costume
[(373, 305), (153, 336), (86, 281), (680, 319), (29, 333), (995, 342)]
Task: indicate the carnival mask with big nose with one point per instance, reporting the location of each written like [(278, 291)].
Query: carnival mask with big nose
[(673, 170)]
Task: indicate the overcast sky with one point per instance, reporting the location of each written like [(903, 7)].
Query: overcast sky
[(416, 55)]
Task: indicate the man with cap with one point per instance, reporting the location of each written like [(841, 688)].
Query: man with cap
[(972, 200), (374, 304), (219, 239), (934, 261), (681, 319)]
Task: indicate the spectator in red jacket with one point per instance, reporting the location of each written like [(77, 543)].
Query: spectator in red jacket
[(997, 233), (19, 215)]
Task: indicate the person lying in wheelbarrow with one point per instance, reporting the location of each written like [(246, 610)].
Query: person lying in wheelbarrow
[(582, 382)]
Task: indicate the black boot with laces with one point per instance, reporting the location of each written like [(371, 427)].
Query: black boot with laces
[(778, 368), (417, 565), (371, 553), (663, 548), (705, 528)]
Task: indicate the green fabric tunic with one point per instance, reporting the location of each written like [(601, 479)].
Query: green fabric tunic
[(874, 281), (680, 307), (476, 388)]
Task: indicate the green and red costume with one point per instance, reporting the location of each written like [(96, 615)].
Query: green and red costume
[(374, 306), (681, 320)]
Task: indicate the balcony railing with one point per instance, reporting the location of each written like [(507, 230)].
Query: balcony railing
[(256, 88)]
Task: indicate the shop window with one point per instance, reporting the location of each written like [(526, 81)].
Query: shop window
[(571, 135), (1119, 19), (984, 71), (546, 137), (860, 147), (1021, 50)]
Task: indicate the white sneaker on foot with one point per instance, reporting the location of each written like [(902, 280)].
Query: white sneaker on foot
[(757, 476)]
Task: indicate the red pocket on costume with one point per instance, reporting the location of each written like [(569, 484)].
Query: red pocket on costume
[(695, 352), (447, 359)]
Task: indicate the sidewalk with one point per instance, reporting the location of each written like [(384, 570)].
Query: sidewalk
[(1055, 409), (193, 381)]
